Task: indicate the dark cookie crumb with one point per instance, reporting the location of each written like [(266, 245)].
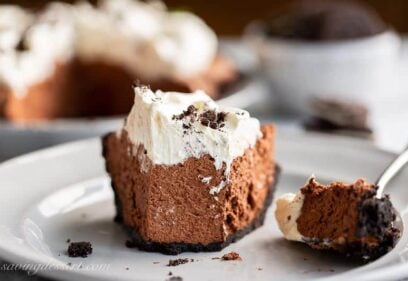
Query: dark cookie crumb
[(375, 216), (127, 268), (130, 244), (138, 84), (175, 278), (170, 273), (212, 119), (190, 111), (376, 219), (232, 256), (69, 264), (208, 118), (79, 249), (68, 240), (221, 117), (22, 45), (177, 262)]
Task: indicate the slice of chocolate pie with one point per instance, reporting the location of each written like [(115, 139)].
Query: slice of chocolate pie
[(347, 218), (189, 175), (97, 51)]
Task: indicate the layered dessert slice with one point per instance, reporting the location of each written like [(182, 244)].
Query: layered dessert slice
[(189, 175), (97, 52), (347, 218)]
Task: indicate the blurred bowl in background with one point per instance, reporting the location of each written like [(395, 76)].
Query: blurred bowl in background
[(359, 69)]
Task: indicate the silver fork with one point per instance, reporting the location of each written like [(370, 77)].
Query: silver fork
[(392, 170)]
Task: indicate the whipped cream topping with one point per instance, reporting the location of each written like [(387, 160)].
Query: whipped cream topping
[(13, 22), (145, 38), (140, 20), (98, 37), (288, 209), (31, 57), (183, 47), (173, 127)]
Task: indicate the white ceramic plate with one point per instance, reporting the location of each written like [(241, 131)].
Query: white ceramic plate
[(49, 196)]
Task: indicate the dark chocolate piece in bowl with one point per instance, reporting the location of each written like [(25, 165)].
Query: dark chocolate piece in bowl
[(317, 20), (338, 117)]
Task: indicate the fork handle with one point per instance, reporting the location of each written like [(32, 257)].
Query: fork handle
[(393, 169)]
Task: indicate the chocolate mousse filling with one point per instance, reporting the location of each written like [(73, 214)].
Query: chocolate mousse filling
[(177, 248)]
